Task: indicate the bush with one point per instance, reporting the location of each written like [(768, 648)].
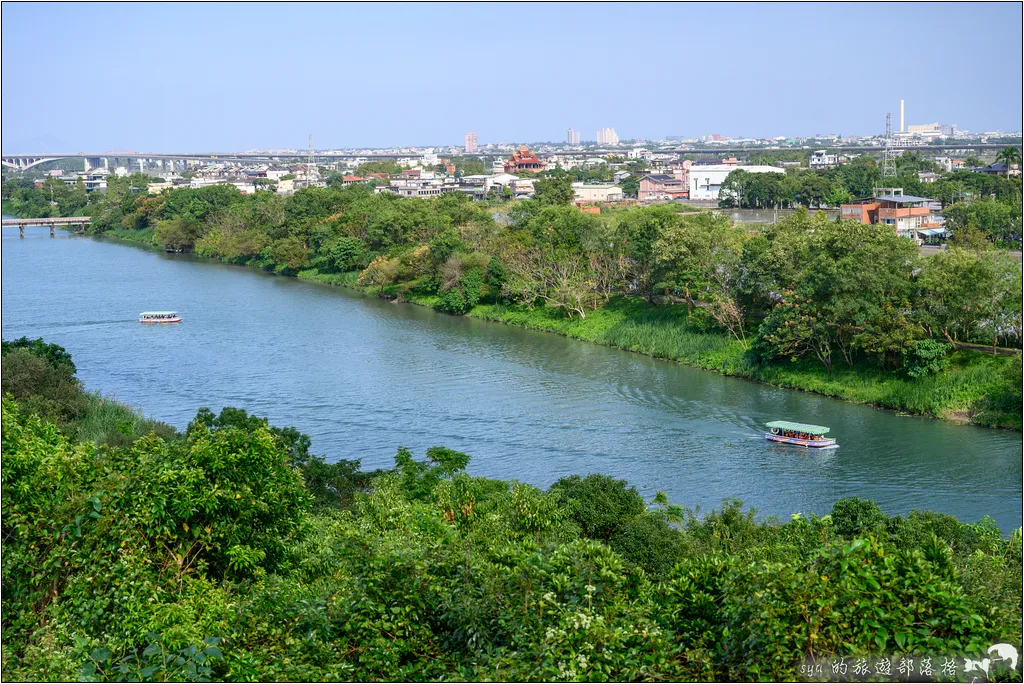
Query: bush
[(926, 357), (49, 390), (599, 504), (649, 542), (855, 516)]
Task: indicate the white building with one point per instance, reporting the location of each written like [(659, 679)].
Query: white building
[(585, 192), (573, 138), (522, 187), (821, 159), (607, 136), (471, 143), (706, 181)]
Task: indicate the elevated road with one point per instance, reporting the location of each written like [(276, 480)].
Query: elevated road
[(24, 162)]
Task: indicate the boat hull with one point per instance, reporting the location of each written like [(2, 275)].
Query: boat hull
[(809, 443), (160, 320)]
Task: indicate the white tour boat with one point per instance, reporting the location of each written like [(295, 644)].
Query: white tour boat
[(159, 317)]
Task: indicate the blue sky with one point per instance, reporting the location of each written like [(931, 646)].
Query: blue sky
[(209, 77)]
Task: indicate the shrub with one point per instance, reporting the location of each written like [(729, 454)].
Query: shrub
[(649, 542), (599, 504), (855, 516), (926, 357)]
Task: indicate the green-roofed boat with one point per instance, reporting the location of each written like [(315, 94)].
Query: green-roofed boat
[(799, 434)]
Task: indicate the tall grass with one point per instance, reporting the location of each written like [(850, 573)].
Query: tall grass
[(668, 332), (108, 421)]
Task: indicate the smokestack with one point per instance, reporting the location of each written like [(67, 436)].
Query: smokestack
[(901, 117)]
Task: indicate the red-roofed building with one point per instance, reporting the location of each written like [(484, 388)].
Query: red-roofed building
[(378, 176), (410, 173), (349, 180), (524, 160)]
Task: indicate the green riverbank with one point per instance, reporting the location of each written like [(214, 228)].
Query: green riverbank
[(968, 391), (976, 388)]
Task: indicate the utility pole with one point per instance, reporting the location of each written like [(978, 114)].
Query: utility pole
[(310, 161), (889, 158)]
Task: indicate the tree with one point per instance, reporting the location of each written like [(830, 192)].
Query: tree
[(997, 221), (599, 504), (1009, 155), (703, 253), (178, 234), (957, 287), (560, 277), (640, 231), (554, 191), (380, 273), (851, 291)]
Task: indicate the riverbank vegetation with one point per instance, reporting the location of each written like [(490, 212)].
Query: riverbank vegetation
[(230, 553), (849, 310)]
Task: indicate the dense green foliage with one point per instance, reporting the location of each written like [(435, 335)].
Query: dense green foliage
[(204, 556)]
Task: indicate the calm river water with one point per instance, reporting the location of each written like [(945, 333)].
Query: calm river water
[(362, 376)]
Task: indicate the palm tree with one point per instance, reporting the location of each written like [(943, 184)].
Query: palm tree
[(1009, 155)]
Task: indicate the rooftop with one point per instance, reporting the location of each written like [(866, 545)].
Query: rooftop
[(798, 427), (901, 199)]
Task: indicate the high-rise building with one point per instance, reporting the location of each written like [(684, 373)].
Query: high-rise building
[(470, 143), (573, 137), (607, 136)]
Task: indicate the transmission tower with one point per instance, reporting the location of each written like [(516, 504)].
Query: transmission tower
[(311, 162), (889, 159)]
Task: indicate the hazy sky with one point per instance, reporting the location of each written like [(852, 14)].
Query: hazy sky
[(210, 77)]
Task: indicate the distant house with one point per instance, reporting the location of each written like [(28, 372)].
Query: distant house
[(349, 180), (821, 159), (657, 186), (999, 169), (524, 160), (927, 176), (586, 192), (909, 216), (706, 181)]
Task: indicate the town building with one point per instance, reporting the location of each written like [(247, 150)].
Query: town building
[(661, 186), (586, 192), (471, 143), (932, 130), (999, 169), (523, 160), (821, 159), (927, 176), (522, 187), (573, 137), (607, 136), (910, 216), (706, 181)]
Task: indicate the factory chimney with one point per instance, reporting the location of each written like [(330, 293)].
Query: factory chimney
[(901, 117)]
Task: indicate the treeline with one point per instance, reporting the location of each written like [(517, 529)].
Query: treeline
[(228, 552), (991, 202), (839, 294)]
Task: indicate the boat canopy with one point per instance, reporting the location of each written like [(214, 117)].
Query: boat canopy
[(158, 313), (798, 427)]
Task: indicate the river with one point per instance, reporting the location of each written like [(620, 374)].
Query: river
[(362, 376)]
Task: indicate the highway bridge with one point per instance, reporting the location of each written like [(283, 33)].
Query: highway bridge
[(24, 162)]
